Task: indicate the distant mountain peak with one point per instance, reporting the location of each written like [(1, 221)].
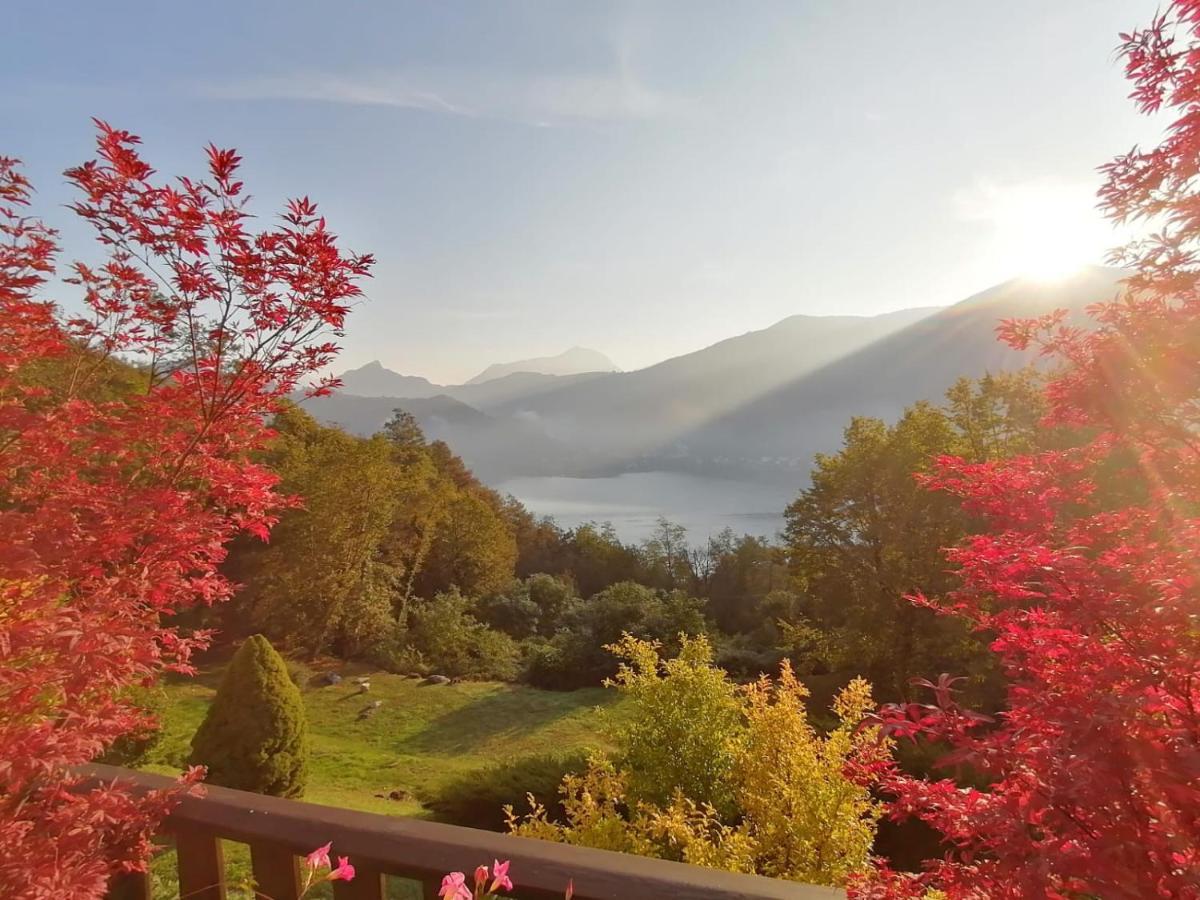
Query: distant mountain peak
[(574, 361), (376, 380)]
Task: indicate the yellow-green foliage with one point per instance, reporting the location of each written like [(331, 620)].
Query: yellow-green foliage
[(790, 811), (686, 720)]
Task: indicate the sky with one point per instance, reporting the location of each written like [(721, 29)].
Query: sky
[(641, 178)]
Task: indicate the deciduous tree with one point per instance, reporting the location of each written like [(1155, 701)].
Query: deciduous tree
[(1085, 578), (117, 504)]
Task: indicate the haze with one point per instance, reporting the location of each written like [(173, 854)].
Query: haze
[(642, 179)]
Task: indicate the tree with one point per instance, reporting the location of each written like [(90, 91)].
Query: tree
[(320, 583), (472, 550), (666, 562), (1084, 576), (865, 533), (254, 736), (120, 492), (538, 605), (681, 734), (599, 559)]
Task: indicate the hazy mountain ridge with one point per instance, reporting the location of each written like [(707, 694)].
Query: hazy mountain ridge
[(494, 448), (756, 406), (576, 361), (785, 427)]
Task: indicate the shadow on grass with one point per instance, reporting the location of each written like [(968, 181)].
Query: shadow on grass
[(503, 713)]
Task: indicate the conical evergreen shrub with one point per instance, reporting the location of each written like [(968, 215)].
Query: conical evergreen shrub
[(255, 736)]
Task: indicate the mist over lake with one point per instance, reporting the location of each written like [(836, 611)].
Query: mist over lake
[(634, 501)]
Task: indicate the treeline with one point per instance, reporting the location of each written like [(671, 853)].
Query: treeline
[(398, 555)]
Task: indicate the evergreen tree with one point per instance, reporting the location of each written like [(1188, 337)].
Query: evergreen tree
[(255, 736)]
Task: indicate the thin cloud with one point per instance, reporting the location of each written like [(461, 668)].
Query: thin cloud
[(536, 100)]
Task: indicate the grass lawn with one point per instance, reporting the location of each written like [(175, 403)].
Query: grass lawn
[(421, 738)]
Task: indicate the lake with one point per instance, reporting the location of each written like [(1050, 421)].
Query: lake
[(633, 502)]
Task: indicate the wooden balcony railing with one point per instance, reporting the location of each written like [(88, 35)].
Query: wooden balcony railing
[(279, 831)]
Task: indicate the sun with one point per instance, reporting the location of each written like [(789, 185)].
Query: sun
[(1044, 231)]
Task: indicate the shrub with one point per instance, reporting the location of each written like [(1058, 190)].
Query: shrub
[(454, 642), (575, 657), (478, 799), (798, 804), (255, 735), (685, 724)]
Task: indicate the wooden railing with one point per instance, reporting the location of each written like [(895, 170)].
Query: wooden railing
[(279, 831)]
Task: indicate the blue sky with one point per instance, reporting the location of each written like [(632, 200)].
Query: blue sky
[(642, 178)]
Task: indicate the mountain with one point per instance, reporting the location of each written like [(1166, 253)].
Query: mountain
[(512, 388), (778, 432), (757, 406), (575, 361), (373, 380), (627, 415), (493, 448)]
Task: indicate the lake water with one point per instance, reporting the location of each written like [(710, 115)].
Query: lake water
[(632, 502)]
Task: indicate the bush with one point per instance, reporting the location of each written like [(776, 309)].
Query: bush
[(685, 723), (478, 799), (791, 802), (744, 658), (255, 735), (453, 642), (575, 657)]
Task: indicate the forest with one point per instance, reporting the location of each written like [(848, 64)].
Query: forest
[(399, 557)]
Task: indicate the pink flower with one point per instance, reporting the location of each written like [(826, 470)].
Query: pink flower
[(454, 887), (500, 877), (319, 857), (481, 875), (570, 889), (344, 871)]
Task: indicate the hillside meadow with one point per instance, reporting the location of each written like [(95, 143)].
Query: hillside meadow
[(421, 742)]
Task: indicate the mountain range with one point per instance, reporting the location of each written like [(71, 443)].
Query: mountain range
[(575, 361), (756, 406)]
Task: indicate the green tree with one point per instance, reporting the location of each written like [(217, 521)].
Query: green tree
[(867, 533), (863, 536), (255, 734), (666, 561), (537, 605), (576, 656), (599, 559), (473, 548), (322, 584)]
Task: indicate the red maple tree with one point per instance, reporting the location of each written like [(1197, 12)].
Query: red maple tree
[(125, 439), (1088, 575)]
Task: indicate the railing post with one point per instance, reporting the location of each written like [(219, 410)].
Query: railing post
[(129, 886), (367, 885), (201, 864), (276, 871)]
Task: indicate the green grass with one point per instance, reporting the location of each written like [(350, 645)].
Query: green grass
[(423, 737)]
